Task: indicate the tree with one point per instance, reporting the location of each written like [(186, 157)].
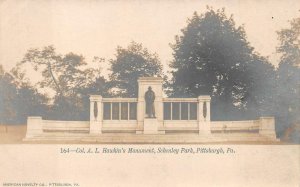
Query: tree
[(62, 73), (18, 101), (130, 64), (289, 46), (260, 87), (288, 87), (8, 94), (68, 75), (99, 87), (213, 57)]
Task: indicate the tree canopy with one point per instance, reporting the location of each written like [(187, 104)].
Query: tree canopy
[(129, 64), (288, 84), (18, 101), (289, 46), (213, 57), (70, 78), (62, 73)]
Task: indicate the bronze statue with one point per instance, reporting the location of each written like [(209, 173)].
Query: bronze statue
[(149, 98)]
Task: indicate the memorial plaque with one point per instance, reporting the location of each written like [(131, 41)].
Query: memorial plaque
[(124, 111), (132, 111), (193, 111), (175, 111), (167, 111), (184, 111), (107, 111), (115, 111)]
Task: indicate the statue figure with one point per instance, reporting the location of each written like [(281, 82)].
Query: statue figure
[(149, 98)]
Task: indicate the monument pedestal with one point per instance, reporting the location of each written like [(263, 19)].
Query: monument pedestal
[(34, 126), (204, 128), (95, 127), (150, 126)]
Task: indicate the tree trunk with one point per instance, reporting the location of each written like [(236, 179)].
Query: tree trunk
[(54, 80)]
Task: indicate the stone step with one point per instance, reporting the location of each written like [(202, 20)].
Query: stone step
[(164, 135), (141, 138)]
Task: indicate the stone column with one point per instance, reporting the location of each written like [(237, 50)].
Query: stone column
[(267, 127), (34, 126), (204, 114), (96, 114)]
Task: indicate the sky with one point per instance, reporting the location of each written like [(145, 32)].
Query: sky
[(97, 27)]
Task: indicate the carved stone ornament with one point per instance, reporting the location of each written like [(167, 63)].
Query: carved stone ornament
[(95, 110), (204, 109)]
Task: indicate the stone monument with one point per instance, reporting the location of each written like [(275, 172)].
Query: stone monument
[(150, 113), (154, 118)]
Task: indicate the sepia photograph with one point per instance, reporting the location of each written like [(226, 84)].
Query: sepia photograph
[(147, 82)]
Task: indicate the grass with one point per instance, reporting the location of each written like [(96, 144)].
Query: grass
[(12, 134)]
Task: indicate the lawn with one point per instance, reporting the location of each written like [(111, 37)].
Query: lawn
[(12, 134)]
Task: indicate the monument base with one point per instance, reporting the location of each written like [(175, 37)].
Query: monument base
[(95, 127), (150, 126), (204, 128)]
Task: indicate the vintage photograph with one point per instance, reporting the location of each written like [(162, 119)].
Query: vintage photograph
[(149, 72), (149, 93)]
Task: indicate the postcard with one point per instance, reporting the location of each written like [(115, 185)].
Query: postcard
[(149, 93)]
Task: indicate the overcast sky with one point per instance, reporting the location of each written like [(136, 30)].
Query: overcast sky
[(96, 28)]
